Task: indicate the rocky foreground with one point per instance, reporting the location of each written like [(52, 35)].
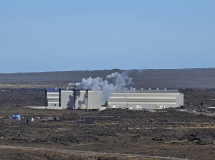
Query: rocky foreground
[(167, 133)]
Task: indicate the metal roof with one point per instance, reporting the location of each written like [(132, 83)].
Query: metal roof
[(52, 90), (123, 91), (146, 91)]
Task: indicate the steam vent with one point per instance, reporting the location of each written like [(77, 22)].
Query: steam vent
[(126, 99)]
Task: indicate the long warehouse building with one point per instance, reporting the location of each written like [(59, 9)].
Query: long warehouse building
[(130, 99)]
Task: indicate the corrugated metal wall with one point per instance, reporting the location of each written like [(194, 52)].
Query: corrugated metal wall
[(52, 98), (149, 100), (138, 99)]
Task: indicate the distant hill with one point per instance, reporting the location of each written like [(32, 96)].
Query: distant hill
[(149, 78)]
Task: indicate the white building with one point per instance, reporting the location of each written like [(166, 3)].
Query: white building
[(130, 99), (150, 99)]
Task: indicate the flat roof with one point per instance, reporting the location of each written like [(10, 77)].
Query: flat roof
[(146, 91), (52, 90), (122, 91)]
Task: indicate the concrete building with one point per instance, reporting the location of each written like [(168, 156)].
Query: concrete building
[(130, 99), (95, 100), (67, 99)]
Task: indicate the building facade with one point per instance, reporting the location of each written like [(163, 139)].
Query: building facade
[(149, 99), (52, 97), (130, 99)]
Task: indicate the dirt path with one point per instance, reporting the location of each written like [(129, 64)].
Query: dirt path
[(88, 153)]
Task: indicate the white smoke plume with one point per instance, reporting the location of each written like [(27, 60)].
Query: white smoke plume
[(119, 82)]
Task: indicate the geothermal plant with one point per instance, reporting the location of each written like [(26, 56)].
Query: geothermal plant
[(98, 94), (126, 99)]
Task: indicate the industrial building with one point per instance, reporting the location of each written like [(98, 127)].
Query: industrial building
[(130, 99)]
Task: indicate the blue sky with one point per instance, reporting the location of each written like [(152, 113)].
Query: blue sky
[(53, 35)]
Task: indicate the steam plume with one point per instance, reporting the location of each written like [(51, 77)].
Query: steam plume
[(119, 82)]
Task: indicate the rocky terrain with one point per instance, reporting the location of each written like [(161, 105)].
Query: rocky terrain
[(150, 78), (166, 133)]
